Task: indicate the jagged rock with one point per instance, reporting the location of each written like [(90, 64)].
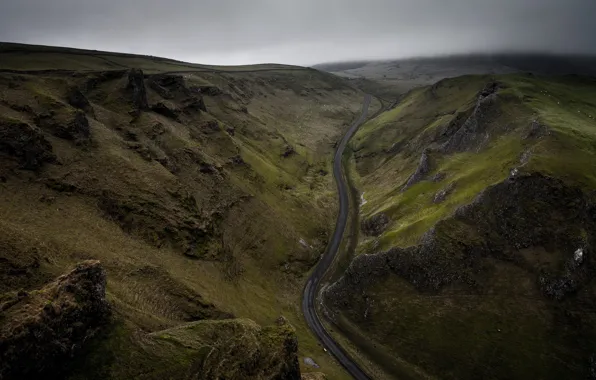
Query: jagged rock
[(75, 129), (537, 130), (166, 110), (168, 85), (238, 160), (209, 127), (473, 132), (194, 105), (231, 131), (421, 171), (101, 77), (375, 225), (288, 151), (442, 194), (187, 231), (136, 87), (439, 177), (209, 90), (26, 143), (239, 349), (78, 100), (525, 211), (42, 330)]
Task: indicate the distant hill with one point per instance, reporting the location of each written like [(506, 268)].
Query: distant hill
[(390, 77)]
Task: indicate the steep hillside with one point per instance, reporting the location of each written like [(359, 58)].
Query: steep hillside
[(204, 192), (477, 233)]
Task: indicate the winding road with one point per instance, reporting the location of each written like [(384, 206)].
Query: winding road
[(314, 281)]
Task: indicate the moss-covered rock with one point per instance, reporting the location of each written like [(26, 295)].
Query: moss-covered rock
[(41, 329)]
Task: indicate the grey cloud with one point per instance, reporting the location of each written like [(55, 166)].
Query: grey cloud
[(302, 32)]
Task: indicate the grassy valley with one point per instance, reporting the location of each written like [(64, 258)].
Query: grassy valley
[(204, 192)]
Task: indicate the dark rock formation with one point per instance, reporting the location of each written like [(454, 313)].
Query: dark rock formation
[(421, 171), (473, 132), (439, 177), (442, 194), (137, 91), (66, 125), (194, 105), (78, 100), (167, 110), (160, 223), (237, 160), (208, 90), (210, 126), (26, 143), (537, 130), (40, 331), (375, 225), (167, 86), (288, 151), (521, 212)]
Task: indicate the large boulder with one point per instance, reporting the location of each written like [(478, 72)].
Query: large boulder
[(43, 329)]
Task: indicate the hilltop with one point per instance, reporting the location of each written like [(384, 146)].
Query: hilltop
[(390, 78)]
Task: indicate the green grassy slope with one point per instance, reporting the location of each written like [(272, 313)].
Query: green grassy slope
[(214, 198), (467, 292)]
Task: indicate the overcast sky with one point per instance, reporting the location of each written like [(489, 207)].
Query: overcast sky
[(302, 31)]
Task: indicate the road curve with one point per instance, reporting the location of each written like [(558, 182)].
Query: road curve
[(312, 285)]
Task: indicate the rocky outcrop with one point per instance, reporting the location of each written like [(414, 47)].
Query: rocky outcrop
[(78, 100), (166, 109), (442, 194), (375, 225), (41, 330), (473, 133), (173, 87), (537, 130), (238, 349), (521, 212), (179, 225), (25, 143), (136, 90), (65, 124), (421, 171), (168, 86), (288, 151)]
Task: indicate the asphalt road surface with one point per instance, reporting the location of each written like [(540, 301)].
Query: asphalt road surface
[(312, 285)]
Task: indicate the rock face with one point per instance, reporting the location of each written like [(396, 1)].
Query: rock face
[(166, 110), (521, 212), (26, 143), (473, 132), (235, 349), (40, 330), (136, 88), (537, 130), (78, 100), (375, 225), (72, 126), (442, 194), (421, 171), (288, 151)]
